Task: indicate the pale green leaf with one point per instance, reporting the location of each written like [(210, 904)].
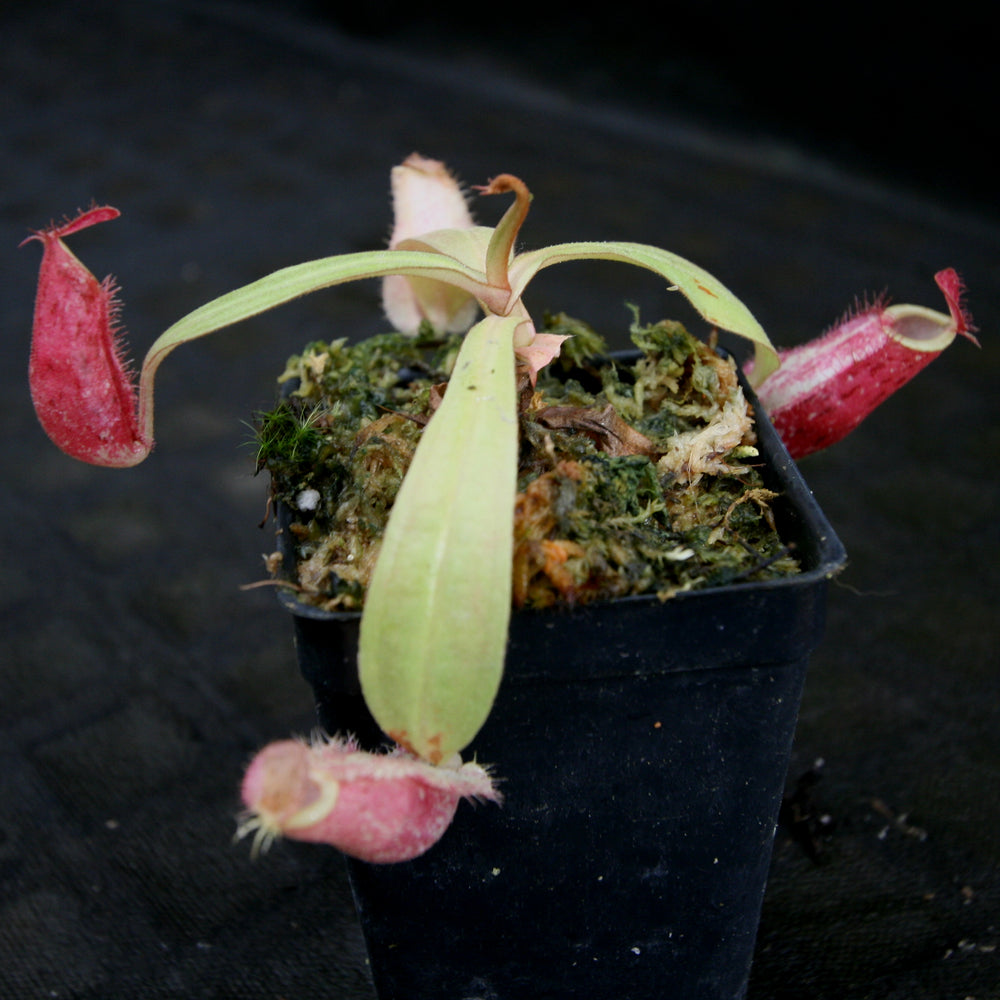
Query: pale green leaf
[(434, 629), (467, 246), (301, 279), (706, 293), (290, 283)]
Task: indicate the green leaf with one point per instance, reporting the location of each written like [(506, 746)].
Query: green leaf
[(467, 246), (290, 283), (706, 293), (300, 279), (434, 629)]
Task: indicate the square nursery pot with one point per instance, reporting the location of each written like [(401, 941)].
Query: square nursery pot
[(643, 747)]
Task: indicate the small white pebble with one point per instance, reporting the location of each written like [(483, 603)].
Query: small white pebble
[(307, 500)]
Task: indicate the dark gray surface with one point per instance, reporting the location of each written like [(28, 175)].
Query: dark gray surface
[(137, 678)]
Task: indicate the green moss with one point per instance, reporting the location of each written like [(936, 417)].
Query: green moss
[(287, 441), (618, 495)]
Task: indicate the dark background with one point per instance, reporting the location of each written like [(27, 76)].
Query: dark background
[(805, 159), (904, 95)]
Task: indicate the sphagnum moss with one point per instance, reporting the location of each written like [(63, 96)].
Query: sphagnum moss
[(622, 485)]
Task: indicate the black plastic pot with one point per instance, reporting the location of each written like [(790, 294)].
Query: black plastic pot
[(643, 747)]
